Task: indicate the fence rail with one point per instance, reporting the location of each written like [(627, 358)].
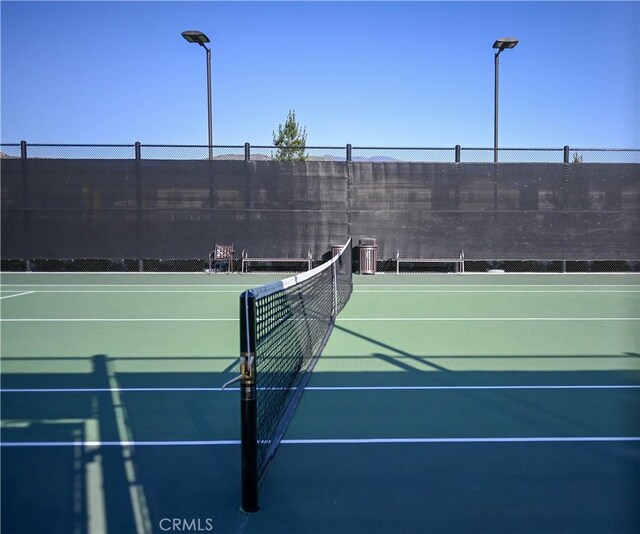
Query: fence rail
[(348, 153), (388, 265)]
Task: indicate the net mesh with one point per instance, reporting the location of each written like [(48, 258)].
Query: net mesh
[(293, 321)]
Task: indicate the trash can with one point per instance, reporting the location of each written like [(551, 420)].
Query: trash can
[(335, 250), (368, 255)]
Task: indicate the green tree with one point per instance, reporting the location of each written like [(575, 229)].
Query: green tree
[(291, 141)]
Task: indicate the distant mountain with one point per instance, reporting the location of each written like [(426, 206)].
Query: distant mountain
[(240, 157), (357, 159), (263, 157), (326, 157), (376, 159)]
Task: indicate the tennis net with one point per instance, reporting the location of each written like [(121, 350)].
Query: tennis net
[(284, 327)]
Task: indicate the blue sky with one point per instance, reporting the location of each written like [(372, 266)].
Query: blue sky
[(367, 73)]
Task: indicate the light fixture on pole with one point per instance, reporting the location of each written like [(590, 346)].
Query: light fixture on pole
[(500, 44), (194, 36)]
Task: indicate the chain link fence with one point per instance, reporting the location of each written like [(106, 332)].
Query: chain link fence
[(606, 155), (552, 266), (403, 155), (10, 150), (191, 152), (199, 265), (512, 155), (388, 266), (347, 153)]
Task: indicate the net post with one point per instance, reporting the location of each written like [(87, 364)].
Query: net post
[(334, 290), (248, 403)]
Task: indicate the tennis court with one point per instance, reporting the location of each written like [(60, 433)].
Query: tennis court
[(446, 403)]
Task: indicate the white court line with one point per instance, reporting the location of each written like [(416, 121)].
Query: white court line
[(345, 319), (98, 291), (17, 295), (116, 389), (454, 388), (488, 319), (449, 292), (116, 443), (136, 291), (460, 291), (324, 388), (550, 439), (117, 320), (127, 285), (356, 285), (463, 286), (345, 441), (492, 291), (357, 289)]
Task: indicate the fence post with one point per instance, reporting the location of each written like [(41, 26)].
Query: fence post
[(139, 214), (247, 152), (566, 153), (458, 149), (25, 204), (349, 152)]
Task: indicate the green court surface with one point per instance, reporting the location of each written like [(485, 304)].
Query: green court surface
[(442, 404)]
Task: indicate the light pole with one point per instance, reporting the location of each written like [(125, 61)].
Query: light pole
[(194, 36), (500, 44)]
